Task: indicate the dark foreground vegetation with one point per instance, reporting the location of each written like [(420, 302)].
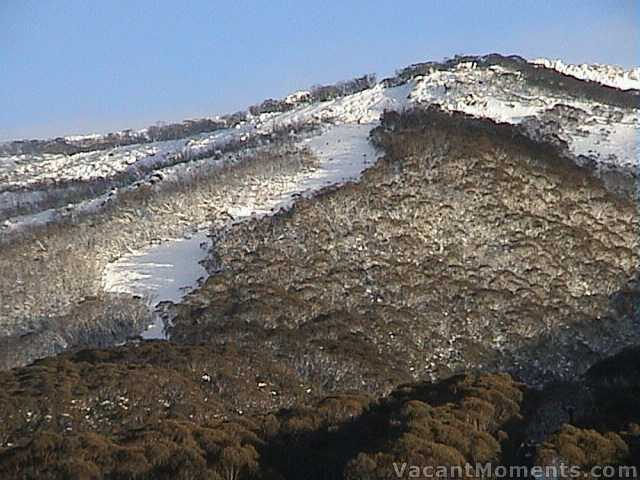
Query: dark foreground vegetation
[(456, 305), (472, 418)]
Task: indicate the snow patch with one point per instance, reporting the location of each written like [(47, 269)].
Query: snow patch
[(161, 273)]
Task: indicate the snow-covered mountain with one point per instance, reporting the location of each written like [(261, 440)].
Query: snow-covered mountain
[(551, 101), (592, 129)]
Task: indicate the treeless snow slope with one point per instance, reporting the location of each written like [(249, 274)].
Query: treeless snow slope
[(363, 107), (605, 74), (162, 273)]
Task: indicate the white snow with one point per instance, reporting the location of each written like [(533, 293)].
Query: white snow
[(605, 74), (161, 273), (363, 107), (22, 224), (344, 152), (479, 92), (26, 170), (80, 138), (611, 144), (496, 93), (166, 272), (297, 97)]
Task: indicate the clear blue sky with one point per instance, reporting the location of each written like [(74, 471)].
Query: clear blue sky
[(80, 66)]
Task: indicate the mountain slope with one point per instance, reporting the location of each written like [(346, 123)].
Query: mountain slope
[(487, 260)]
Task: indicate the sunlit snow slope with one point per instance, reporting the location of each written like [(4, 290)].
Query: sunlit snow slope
[(605, 74), (588, 127)]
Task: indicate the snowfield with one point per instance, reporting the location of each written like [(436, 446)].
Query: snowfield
[(362, 107), (610, 75), (163, 273)]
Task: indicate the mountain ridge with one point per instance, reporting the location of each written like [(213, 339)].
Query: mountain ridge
[(603, 74)]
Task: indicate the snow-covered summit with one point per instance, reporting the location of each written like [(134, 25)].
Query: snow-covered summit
[(604, 132), (610, 75), (591, 123)]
